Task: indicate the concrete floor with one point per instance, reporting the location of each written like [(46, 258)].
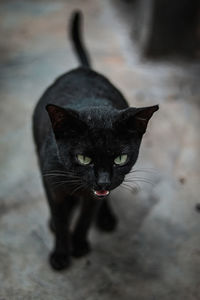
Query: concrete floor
[(155, 253)]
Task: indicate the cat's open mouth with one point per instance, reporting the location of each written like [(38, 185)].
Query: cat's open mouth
[(101, 193)]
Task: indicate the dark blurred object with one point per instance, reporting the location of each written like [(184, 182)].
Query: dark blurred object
[(164, 28), (174, 27), (198, 207)]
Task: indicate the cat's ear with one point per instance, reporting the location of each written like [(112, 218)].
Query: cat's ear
[(142, 117), (136, 119), (64, 121)]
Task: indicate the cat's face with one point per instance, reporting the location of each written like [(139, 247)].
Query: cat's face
[(99, 146)]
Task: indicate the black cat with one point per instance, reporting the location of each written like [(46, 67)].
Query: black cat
[(87, 140)]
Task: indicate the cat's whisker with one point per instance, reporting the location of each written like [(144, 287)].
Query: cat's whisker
[(142, 181), (139, 180), (143, 170), (68, 181), (58, 171), (137, 177), (126, 186), (131, 188), (61, 175), (54, 175), (78, 188), (63, 178), (65, 185), (125, 182)]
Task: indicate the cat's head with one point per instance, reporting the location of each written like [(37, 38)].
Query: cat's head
[(99, 145)]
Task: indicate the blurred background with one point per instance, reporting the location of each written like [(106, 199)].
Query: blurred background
[(150, 50)]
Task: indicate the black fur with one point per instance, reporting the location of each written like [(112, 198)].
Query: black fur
[(82, 54), (83, 113)]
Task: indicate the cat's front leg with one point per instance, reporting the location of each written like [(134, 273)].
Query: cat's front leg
[(60, 256), (61, 207), (80, 241), (106, 219)]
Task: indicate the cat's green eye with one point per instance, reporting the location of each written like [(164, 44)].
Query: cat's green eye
[(84, 160), (121, 159)]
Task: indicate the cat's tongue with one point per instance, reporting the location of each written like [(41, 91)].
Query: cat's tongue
[(101, 193)]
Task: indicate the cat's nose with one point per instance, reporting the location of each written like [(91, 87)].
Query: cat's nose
[(103, 180)]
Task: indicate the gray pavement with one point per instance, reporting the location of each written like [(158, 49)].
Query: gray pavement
[(155, 253)]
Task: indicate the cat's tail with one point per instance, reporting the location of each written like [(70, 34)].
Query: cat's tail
[(75, 32)]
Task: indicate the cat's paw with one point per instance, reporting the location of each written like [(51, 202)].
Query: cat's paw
[(80, 248), (59, 261), (107, 223)]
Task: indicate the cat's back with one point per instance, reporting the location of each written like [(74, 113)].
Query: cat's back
[(82, 83), (79, 87)]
